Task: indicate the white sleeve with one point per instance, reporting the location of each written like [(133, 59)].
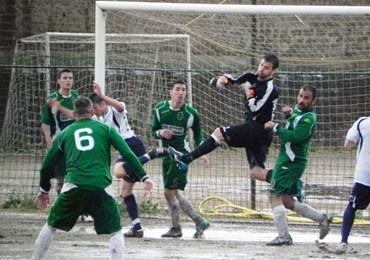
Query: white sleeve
[(353, 134)]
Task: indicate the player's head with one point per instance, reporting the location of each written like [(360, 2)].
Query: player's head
[(306, 97), (65, 79), (99, 105), (268, 66), (82, 108), (178, 92)]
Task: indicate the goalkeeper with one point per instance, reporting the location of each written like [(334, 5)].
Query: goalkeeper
[(261, 96)]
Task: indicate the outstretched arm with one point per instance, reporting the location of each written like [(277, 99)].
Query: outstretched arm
[(111, 101)]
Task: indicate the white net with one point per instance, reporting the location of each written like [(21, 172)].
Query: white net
[(328, 51)]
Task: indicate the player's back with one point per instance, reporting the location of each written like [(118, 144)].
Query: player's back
[(86, 144)]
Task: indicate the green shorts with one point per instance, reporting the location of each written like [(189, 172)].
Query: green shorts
[(98, 203), (173, 177), (285, 178)]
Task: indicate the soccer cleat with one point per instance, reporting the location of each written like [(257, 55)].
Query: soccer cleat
[(324, 225), (341, 248), (176, 156), (281, 241), (200, 227), (173, 232), (157, 153), (134, 233)]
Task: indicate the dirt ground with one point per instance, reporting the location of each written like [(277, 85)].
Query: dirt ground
[(18, 232)]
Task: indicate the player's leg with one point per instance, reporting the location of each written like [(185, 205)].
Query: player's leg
[(206, 147), (43, 241), (107, 218), (63, 215), (132, 210), (122, 168), (174, 208), (359, 200), (172, 178), (281, 224), (292, 189), (201, 224), (116, 246)]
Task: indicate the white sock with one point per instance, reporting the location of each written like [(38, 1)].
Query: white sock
[(43, 242), (308, 212), (116, 246), (280, 221)]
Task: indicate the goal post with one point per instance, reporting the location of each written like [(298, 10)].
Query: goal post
[(102, 6)]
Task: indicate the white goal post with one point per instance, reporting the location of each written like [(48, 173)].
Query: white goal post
[(102, 6)]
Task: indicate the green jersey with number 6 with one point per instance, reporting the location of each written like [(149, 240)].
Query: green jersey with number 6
[(86, 145)]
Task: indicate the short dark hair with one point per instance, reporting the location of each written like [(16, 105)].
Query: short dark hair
[(273, 59), (64, 71), (179, 81), (310, 88), (95, 98), (82, 106)]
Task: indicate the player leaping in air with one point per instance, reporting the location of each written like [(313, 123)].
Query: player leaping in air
[(261, 96)]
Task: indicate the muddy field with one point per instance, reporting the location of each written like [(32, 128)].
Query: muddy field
[(224, 240)]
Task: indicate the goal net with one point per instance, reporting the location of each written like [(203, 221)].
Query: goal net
[(327, 48), (323, 46), (138, 67)]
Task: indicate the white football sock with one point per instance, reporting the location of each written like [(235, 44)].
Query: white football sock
[(308, 212), (43, 242), (116, 246), (280, 221)]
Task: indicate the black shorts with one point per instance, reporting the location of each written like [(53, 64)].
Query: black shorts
[(253, 137), (138, 148), (360, 197)]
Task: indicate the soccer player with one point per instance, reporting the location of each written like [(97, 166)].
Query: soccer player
[(86, 145), (260, 102), (358, 134), (114, 113), (172, 120), (54, 121), (290, 166)]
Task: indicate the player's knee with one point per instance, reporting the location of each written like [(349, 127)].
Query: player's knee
[(119, 171)]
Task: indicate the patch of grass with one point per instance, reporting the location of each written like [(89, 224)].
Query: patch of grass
[(17, 201)]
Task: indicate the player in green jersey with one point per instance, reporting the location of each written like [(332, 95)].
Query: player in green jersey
[(54, 121), (86, 145), (290, 166), (172, 120)]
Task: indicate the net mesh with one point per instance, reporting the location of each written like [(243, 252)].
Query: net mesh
[(328, 51)]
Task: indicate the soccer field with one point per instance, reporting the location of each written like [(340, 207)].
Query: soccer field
[(224, 240)]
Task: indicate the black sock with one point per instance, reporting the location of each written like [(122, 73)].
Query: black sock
[(206, 147), (268, 176)]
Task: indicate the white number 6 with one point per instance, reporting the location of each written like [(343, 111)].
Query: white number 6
[(89, 141)]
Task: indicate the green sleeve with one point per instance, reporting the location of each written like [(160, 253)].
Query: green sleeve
[(156, 125), (303, 130), (46, 114), (127, 154), (47, 168)]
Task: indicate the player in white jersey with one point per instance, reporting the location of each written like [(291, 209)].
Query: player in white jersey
[(358, 134), (114, 113)]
